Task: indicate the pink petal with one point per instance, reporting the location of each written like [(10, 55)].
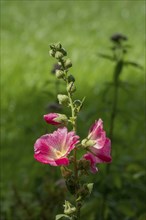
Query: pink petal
[(97, 125), (41, 145), (96, 132), (44, 159), (72, 140), (59, 162), (62, 161), (103, 154)]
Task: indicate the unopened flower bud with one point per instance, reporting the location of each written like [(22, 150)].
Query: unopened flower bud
[(56, 66), (56, 119), (71, 87), (68, 63), (63, 51), (58, 55), (59, 74), (71, 78), (52, 46), (66, 173), (88, 143), (52, 53), (58, 46), (63, 99)]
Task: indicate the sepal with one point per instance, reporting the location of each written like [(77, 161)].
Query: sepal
[(69, 208), (59, 216)]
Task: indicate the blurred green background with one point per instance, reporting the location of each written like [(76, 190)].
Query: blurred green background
[(30, 190)]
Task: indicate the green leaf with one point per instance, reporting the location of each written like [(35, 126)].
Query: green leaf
[(134, 64), (62, 215), (106, 56)]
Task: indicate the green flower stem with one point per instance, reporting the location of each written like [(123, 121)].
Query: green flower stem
[(73, 115), (74, 129)]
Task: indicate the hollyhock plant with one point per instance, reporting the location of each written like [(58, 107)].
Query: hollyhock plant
[(54, 148), (61, 147), (55, 118)]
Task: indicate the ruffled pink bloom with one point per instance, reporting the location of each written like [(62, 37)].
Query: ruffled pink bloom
[(100, 151), (54, 148), (50, 118)]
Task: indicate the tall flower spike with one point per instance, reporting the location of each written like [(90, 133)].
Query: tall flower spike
[(54, 148), (99, 151)]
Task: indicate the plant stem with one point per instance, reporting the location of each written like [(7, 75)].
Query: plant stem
[(117, 71), (73, 115)]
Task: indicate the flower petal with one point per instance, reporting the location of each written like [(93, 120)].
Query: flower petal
[(96, 127), (53, 148), (104, 153), (100, 151), (42, 146), (44, 159), (62, 161)]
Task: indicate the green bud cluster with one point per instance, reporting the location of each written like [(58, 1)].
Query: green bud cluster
[(57, 51)]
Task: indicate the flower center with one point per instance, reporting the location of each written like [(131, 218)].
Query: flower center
[(58, 153)]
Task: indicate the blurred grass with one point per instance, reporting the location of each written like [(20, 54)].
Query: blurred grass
[(84, 28)]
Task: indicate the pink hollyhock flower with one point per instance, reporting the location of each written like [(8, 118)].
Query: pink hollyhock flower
[(99, 150), (55, 118), (53, 148)]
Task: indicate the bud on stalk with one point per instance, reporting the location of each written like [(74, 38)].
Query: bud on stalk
[(63, 99)]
